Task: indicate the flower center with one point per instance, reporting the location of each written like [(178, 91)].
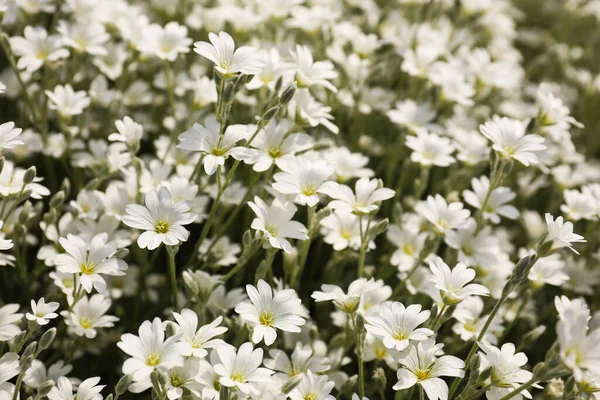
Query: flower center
[(85, 323), (87, 268), (176, 380), (238, 376), (153, 360), (266, 318), (274, 152), (309, 190), (400, 335), (271, 230), (423, 374), (218, 152), (161, 227), (310, 396), (409, 249)]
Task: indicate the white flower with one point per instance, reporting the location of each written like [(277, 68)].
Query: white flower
[(130, 132), (418, 118), (442, 215), (510, 140), (561, 234), (184, 377), (165, 43), (241, 370), (302, 360), (161, 219), (90, 260), (66, 101), (87, 390), (306, 109), (496, 201), (368, 193), (86, 38), (470, 321), (302, 177), (579, 205), (37, 373), (37, 48), (454, 284), (8, 136), (430, 149), (42, 312), (9, 367), (195, 341), (229, 60), (313, 387), (342, 230), (266, 312), (150, 351), (506, 367), (348, 165), (474, 248), (347, 302), (8, 322), (423, 367), (409, 243), (309, 73), (397, 325), (548, 270), (207, 139), (88, 315), (275, 223)]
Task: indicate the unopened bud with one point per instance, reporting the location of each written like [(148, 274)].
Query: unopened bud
[(360, 324), (474, 369), (228, 93), (380, 378), (66, 187), (18, 342), (57, 200), (93, 184), (240, 82), (29, 350), (26, 362), (45, 388), (269, 114), (485, 374), (29, 175), (261, 271), (347, 388), (111, 397), (378, 228), (569, 388), (247, 238), (287, 95), (123, 384), (278, 84), (171, 329), (47, 338), (121, 253), (291, 383), (190, 282)]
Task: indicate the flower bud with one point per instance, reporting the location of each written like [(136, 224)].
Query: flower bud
[(287, 95), (347, 388), (269, 114), (47, 338), (158, 381), (66, 187), (171, 330), (45, 388), (291, 383), (474, 370), (380, 379), (485, 374), (18, 342), (121, 253), (228, 94), (93, 184), (111, 397), (29, 175), (123, 384), (240, 82), (57, 200), (568, 389), (378, 229), (261, 271), (190, 282), (29, 350)]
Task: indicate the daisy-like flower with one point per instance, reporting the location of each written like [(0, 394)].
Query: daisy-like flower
[(9, 319), (150, 351), (510, 140), (397, 325), (347, 302), (275, 141), (313, 387), (442, 215), (302, 360), (310, 73), (454, 284), (416, 117), (184, 377), (423, 367), (506, 365), (129, 132), (266, 312), (87, 390), (307, 111), (302, 177), (348, 165), (365, 198), (84, 38), (549, 270), (90, 260), (275, 223), (241, 370), (161, 219), (42, 312), (8, 137), (229, 60), (195, 341), (37, 48), (341, 230), (88, 315), (560, 234), (409, 242), (496, 202), (66, 101), (430, 149), (470, 321), (216, 148), (38, 374), (166, 43)]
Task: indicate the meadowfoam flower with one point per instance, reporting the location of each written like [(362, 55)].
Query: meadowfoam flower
[(313, 387), (422, 366), (8, 137), (195, 341), (66, 101), (397, 325), (229, 60), (184, 377), (302, 360), (510, 140), (306, 110), (241, 370), (310, 73), (84, 38), (161, 219), (470, 321), (8, 322), (38, 374), (150, 351), (129, 132), (275, 223), (166, 43), (347, 302), (37, 48), (87, 390), (454, 284), (88, 315), (430, 149), (442, 215), (506, 365), (303, 178), (496, 201), (90, 260), (267, 311), (366, 197), (418, 118), (560, 234), (216, 148), (42, 312)]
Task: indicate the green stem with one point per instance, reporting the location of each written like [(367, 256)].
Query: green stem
[(518, 390), (438, 318), (305, 249), (421, 393), (172, 250)]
